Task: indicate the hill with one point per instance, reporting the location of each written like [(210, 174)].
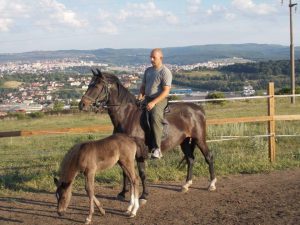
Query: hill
[(173, 55)]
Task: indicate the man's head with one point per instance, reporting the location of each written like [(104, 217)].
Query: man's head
[(156, 58)]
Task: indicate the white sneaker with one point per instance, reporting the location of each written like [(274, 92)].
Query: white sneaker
[(156, 154)]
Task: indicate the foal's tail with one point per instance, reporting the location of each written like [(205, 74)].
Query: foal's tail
[(142, 149)]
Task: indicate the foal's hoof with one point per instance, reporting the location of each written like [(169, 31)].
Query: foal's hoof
[(87, 221), (143, 201), (102, 211), (130, 214)]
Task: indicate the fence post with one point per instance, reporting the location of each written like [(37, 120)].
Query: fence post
[(271, 123)]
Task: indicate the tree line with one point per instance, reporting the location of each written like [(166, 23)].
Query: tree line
[(234, 77)]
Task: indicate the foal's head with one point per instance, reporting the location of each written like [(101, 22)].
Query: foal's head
[(63, 195)]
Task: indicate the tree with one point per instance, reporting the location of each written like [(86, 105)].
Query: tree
[(58, 105)]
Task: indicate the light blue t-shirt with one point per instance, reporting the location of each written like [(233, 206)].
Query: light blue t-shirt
[(154, 80)]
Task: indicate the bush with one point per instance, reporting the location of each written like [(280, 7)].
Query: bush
[(36, 115), (174, 98), (216, 95), (287, 91)]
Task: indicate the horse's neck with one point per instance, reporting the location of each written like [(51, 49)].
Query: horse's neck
[(124, 116)]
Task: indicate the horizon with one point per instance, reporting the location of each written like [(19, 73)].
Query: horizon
[(92, 49), (53, 25)]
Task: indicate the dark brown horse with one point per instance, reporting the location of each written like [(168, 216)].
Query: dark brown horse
[(90, 157), (187, 125)]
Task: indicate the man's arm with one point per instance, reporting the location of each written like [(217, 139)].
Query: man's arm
[(163, 95), (142, 92)]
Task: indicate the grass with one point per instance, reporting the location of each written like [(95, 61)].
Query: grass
[(29, 163), (11, 84)]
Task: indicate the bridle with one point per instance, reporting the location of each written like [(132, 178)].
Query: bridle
[(101, 103), (95, 101)]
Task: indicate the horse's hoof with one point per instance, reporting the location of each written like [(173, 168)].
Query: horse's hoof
[(212, 188), (184, 189), (128, 213), (143, 201), (121, 197)]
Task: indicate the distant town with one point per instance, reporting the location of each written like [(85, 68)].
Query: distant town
[(41, 95)]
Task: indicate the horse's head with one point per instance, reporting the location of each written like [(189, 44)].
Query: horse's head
[(63, 195), (97, 92)]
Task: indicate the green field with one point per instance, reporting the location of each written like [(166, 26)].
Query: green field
[(29, 163)]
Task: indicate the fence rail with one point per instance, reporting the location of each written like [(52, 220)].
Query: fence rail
[(271, 118)]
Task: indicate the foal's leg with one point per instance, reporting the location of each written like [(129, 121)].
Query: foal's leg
[(142, 173), (89, 187), (98, 204), (121, 195), (208, 155), (128, 168), (134, 191), (188, 150)]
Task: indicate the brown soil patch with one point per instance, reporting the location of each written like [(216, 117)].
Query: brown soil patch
[(272, 198)]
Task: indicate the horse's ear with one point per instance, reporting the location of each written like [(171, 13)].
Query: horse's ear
[(56, 182), (94, 73), (99, 72)]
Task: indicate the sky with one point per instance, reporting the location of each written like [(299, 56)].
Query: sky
[(41, 25)]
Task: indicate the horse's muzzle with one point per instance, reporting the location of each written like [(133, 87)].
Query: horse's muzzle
[(82, 106)]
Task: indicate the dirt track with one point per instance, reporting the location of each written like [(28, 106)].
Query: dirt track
[(242, 199)]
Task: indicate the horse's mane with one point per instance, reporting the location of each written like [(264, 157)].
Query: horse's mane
[(123, 93)]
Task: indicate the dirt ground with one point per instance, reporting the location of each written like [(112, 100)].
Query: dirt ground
[(272, 198)]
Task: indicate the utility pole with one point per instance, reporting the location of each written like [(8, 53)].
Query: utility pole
[(292, 53)]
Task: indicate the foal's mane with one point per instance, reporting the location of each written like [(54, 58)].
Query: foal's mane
[(124, 94), (68, 166)]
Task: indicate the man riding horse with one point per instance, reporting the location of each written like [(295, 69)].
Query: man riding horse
[(155, 89)]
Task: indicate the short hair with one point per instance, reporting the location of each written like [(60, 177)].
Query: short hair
[(158, 50)]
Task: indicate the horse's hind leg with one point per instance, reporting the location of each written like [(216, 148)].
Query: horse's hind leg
[(121, 195), (208, 155), (188, 147), (142, 174)]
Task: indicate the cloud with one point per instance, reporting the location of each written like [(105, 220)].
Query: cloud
[(9, 12), (193, 6), (108, 27), (132, 15), (248, 6), (5, 24), (57, 12), (146, 12)]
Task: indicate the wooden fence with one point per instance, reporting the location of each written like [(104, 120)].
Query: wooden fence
[(271, 118)]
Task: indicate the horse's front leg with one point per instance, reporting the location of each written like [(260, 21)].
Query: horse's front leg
[(142, 173), (121, 195), (89, 187)]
